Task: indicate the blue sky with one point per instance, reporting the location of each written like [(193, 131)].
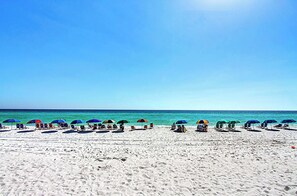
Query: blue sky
[(154, 54)]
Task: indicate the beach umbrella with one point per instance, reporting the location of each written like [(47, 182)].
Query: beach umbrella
[(122, 122), (108, 121), (142, 120), (11, 121), (34, 121), (269, 121), (76, 122), (252, 122), (58, 121), (202, 122), (222, 122), (287, 121), (233, 122), (93, 121), (180, 122)]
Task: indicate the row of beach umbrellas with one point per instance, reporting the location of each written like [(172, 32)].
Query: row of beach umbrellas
[(61, 121)]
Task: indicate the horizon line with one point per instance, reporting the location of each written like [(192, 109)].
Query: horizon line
[(81, 109)]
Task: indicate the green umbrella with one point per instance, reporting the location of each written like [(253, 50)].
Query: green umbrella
[(122, 122)]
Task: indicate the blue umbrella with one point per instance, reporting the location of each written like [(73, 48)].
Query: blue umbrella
[(288, 121), (58, 121), (93, 121), (77, 122), (270, 121), (252, 122), (181, 122), (11, 120)]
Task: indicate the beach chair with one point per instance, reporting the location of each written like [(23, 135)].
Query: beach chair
[(45, 126), (41, 126), (37, 126), (18, 126), (22, 126), (1, 127), (133, 128), (73, 127), (179, 128), (51, 126), (103, 127), (65, 126), (151, 125), (115, 126), (109, 127), (145, 127), (82, 128), (95, 127), (173, 126), (200, 128)]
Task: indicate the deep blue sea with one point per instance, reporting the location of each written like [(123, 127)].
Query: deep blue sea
[(158, 117)]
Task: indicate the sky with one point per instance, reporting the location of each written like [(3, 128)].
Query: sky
[(149, 54)]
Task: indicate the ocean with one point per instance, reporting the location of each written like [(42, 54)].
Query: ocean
[(158, 117)]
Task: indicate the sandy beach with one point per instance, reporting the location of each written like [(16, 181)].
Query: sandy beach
[(150, 162)]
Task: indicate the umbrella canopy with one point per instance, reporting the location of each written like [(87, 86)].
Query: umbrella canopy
[(202, 122), (11, 120), (252, 122), (179, 122), (233, 122), (222, 122), (142, 120), (58, 121), (122, 122), (76, 122), (108, 121), (93, 121), (34, 121), (269, 121), (288, 121)]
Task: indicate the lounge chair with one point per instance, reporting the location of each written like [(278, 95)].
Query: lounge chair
[(22, 126), (65, 126), (45, 126), (73, 127), (201, 128), (41, 126), (133, 128), (103, 126), (109, 127), (37, 126), (145, 127), (95, 127), (115, 126), (17, 126), (151, 125), (173, 126), (51, 126), (82, 128), (278, 126)]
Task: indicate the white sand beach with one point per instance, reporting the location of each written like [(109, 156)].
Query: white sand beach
[(150, 162)]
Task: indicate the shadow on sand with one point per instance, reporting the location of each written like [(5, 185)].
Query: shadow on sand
[(6, 130), (69, 131), (118, 131), (103, 131), (50, 131), (84, 132), (26, 131), (254, 130)]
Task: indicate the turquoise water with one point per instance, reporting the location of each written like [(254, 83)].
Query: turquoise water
[(157, 117)]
